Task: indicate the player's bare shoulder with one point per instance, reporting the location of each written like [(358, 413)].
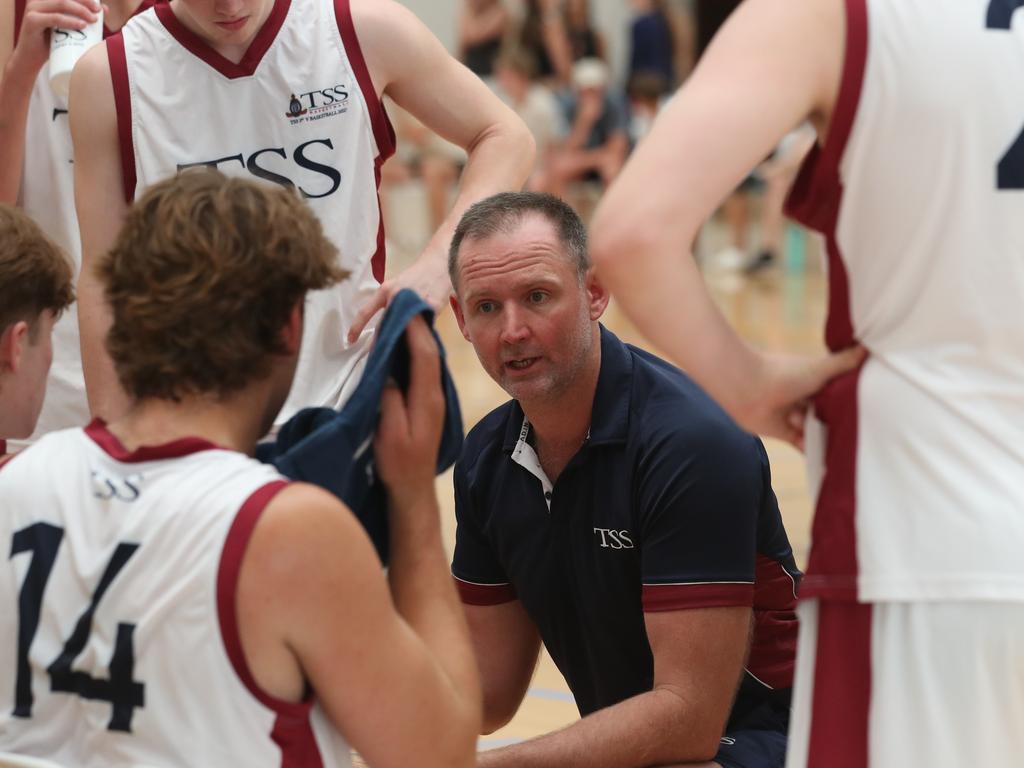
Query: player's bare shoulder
[(388, 33)]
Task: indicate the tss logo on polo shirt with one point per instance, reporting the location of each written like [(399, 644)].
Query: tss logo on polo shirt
[(610, 538)]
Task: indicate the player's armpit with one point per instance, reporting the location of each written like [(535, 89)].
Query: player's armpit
[(313, 603)]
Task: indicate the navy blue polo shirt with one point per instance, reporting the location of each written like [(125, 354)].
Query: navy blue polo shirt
[(667, 506)]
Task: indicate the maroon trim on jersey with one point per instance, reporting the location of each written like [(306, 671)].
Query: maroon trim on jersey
[(842, 687), (5, 457), (142, 7), (108, 441), (201, 49), (678, 597), (383, 131), (19, 14), (123, 107), (815, 201), (773, 647), (484, 594), (292, 730)]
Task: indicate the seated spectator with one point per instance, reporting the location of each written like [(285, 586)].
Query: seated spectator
[(645, 91), (534, 102), (558, 34), (170, 600), (652, 45), (614, 512), (482, 27), (36, 285), (597, 142)]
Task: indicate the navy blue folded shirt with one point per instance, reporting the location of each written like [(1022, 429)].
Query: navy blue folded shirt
[(334, 449)]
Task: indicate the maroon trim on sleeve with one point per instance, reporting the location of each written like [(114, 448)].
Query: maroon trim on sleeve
[(292, 731), (4, 455), (484, 594), (773, 645), (199, 48), (108, 441), (123, 106), (379, 260), (677, 597), (383, 131)]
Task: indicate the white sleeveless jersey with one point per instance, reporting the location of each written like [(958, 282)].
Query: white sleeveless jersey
[(298, 110), (47, 195), (118, 635), (920, 191)]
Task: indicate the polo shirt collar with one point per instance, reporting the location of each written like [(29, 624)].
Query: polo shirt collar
[(609, 418)]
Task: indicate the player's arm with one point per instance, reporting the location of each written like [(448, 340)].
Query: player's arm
[(101, 206), (698, 658), (389, 657), (506, 645), (411, 66), (19, 66), (774, 64)]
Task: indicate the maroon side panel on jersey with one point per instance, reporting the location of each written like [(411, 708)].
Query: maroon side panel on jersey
[(123, 106), (842, 687), (815, 201), (383, 131)]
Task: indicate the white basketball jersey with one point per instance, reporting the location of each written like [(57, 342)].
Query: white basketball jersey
[(920, 191), (118, 635), (298, 110)]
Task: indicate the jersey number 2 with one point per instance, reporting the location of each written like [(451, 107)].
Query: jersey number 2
[(1010, 172), (123, 693)]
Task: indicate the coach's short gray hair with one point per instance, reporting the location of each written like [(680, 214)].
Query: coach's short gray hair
[(502, 212)]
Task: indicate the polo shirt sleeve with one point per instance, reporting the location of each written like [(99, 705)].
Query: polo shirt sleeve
[(698, 502), (479, 576)]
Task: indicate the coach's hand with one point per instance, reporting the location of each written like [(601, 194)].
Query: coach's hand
[(410, 426), (428, 276), (33, 48)]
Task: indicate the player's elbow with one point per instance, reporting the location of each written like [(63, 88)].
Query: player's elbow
[(614, 237)]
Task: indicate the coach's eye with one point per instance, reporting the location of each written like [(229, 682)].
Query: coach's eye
[(485, 307), (538, 297)]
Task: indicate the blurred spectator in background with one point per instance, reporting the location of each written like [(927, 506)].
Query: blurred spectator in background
[(597, 141), (534, 102), (652, 47), (645, 91), (483, 25), (558, 33), (422, 154)]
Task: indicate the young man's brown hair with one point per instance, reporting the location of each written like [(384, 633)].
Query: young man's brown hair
[(35, 275), (202, 279)]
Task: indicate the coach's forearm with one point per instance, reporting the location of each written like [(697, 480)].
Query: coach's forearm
[(651, 729)]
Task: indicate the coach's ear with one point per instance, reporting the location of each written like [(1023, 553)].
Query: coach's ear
[(459, 318), (12, 340), (291, 334), (597, 294)]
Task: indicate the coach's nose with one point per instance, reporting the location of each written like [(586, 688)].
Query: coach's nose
[(514, 326)]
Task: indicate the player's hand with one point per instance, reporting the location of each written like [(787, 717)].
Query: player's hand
[(33, 48), (427, 276), (790, 384), (410, 425)]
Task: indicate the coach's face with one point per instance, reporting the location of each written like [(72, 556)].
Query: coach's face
[(520, 303)]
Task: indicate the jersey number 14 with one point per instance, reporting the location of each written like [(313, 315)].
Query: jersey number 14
[(42, 540), (1010, 172)]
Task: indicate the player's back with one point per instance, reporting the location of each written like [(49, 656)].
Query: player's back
[(119, 628), (922, 179)]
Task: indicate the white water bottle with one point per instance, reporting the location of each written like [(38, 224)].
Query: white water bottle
[(66, 48)]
